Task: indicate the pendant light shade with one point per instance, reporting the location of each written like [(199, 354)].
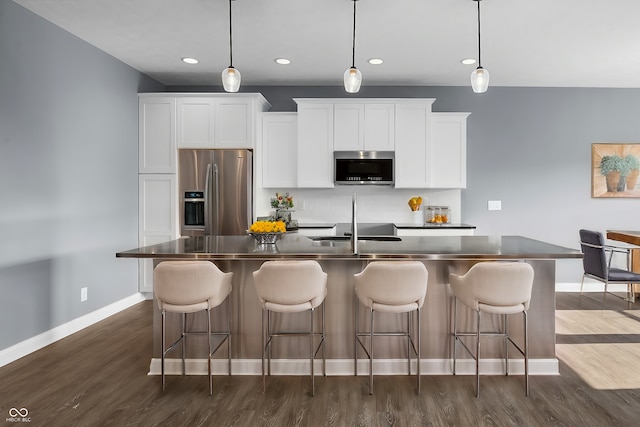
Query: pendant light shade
[(230, 76), (231, 79), (352, 80), (479, 76), (480, 80), (353, 76)]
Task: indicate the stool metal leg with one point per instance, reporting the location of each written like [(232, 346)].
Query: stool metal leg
[(371, 354), (355, 341), (324, 346), (526, 354), (408, 343), (184, 343), (264, 382), (229, 332), (506, 343), (478, 354), (455, 331), (418, 362), (164, 326), (208, 311), (311, 358)]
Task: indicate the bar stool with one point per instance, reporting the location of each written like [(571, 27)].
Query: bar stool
[(498, 288), (291, 287), (188, 287), (392, 287)]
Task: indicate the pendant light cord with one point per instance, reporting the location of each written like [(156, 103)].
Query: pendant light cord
[(230, 39), (479, 55), (353, 44)]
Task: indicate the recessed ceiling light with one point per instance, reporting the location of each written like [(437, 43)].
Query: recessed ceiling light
[(282, 61), (375, 61), (189, 60), (468, 61)]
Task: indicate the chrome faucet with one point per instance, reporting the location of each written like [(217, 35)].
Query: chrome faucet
[(354, 225)]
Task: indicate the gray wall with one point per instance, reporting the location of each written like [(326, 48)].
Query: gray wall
[(529, 148), (68, 175)]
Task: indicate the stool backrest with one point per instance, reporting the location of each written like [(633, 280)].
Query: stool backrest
[(291, 282), (393, 282), (497, 283), (190, 282)]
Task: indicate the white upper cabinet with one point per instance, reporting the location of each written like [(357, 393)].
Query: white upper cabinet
[(364, 126), (235, 120), (218, 121), (449, 150), (157, 134), (413, 145), (279, 150), (315, 144), (196, 122)]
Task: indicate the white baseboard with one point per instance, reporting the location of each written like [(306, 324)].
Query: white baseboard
[(39, 341), (344, 367), (590, 285)]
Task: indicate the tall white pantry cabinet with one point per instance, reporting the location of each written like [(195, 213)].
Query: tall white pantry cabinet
[(168, 121)]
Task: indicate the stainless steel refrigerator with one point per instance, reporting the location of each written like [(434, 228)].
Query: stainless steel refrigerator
[(216, 191)]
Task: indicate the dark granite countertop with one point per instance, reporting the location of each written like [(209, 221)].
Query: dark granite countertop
[(295, 246)]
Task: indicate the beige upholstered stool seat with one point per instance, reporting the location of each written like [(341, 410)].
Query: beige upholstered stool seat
[(500, 288), (188, 287), (291, 287), (392, 287)]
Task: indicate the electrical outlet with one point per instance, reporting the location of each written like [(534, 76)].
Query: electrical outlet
[(494, 205), (300, 205), (83, 294)]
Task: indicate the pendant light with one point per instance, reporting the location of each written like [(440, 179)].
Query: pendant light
[(479, 76), (353, 76), (230, 76)]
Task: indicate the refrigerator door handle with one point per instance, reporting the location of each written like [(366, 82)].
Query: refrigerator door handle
[(216, 222), (207, 204)]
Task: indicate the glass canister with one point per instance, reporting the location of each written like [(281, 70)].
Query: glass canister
[(445, 214), (438, 215)]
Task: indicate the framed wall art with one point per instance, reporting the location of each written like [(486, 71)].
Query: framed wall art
[(615, 169)]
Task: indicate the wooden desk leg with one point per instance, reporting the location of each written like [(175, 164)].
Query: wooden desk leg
[(635, 266)]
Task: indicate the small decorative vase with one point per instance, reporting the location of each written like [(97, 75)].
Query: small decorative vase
[(418, 217), (266, 238)]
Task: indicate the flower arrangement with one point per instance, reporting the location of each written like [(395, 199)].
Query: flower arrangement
[(268, 227), (280, 201)]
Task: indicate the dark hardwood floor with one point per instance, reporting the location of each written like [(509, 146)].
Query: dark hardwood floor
[(97, 377)]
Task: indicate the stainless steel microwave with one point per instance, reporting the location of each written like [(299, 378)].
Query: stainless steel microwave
[(364, 167)]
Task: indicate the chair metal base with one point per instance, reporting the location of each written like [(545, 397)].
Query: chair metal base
[(477, 334), (184, 333), (630, 297), (411, 344), (267, 340)]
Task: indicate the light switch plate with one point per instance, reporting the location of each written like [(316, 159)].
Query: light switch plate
[(494, 205)]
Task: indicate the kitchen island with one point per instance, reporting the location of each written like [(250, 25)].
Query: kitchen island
[(441, 255)]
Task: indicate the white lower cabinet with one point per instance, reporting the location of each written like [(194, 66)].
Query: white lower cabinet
[(279, 150), (157, 216), (426, 232)]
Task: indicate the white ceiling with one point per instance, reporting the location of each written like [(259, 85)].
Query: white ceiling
[(570, 43)]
